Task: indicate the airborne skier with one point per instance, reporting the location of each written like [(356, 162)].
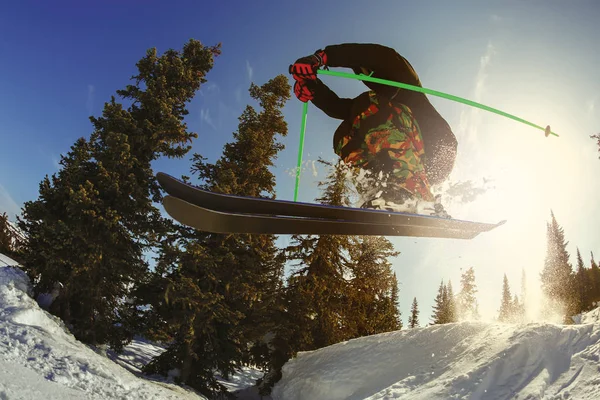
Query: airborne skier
[(385, 130)]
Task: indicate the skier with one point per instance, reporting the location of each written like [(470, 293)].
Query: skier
[(391, 132)]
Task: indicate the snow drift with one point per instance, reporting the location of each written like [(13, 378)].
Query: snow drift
[(40, 359), (467, 360)]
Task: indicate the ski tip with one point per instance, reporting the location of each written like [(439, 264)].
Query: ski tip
[(547, 131), (163, 178), (160, 175)]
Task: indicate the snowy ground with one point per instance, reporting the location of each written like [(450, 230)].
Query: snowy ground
[(39, 358), (38, 355), (470, 360), (6, 261), (466, 360)]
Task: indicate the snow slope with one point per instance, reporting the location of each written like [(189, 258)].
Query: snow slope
[(6, 261), (39, 358), (468, 360)]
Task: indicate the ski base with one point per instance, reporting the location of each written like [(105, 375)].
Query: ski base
[(231, 204), (214, 221)]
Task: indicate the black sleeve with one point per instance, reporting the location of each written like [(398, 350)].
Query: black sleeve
[(384, 61), (329, 102)]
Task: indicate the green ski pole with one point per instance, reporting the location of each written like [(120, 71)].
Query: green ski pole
[(301, 148), (363, 77)]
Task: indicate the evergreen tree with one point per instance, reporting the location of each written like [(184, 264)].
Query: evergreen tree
[(452, 312), (557, 275), (316, 302), (523, 293), (582, 285), (506, 305), (439, 307), (413, 319), (594, 283), (476, 315), (445, 302), (594, 272), (516, 309), (323, 262), (467, 302), (394, 316), (597, 137), (223, 289), (12, 240), (95, 218), (372, 292), (6, 237)]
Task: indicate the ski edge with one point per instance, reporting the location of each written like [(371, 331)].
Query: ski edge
[(177, 188), (213, 221)]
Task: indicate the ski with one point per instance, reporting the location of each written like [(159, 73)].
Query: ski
[(231, 204), (214, 221)]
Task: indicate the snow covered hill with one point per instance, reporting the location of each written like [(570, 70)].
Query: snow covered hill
[(39, 358), (467, 360)]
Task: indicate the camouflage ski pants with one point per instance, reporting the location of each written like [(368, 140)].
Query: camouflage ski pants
[(395, 147)]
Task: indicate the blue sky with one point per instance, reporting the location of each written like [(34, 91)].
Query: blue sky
[(536, 59)]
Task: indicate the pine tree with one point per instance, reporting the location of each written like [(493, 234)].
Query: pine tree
[(516, 309), (12, 240), (394, 316), (6, 238), (582, 286), (523, 294), (445, 302), (413, 319), (95, 218), (439, 307), (467, 302), (506, 306), (475, 314), (594, 281), (224, 288), (557, 275), (323, 262), (372, 292), (597, 137), (316, 300), (452, 311)]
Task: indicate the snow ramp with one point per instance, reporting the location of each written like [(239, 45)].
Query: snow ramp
[(467, 360)]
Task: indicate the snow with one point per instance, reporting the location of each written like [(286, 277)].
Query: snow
[(22, 383), (137, 354), (589, 317), (467, 360), (245, 379), (39, 358), (6, 261)]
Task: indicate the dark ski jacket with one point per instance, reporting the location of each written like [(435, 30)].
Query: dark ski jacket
[(439, 142)]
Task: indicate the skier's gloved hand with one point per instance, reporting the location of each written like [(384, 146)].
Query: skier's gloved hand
[(306, 67), (303, 91)]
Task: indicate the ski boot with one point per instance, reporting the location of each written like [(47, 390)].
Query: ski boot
[(434, 208), (393, 199)]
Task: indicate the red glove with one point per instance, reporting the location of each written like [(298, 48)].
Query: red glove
[(306, 67), (303, 92)]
